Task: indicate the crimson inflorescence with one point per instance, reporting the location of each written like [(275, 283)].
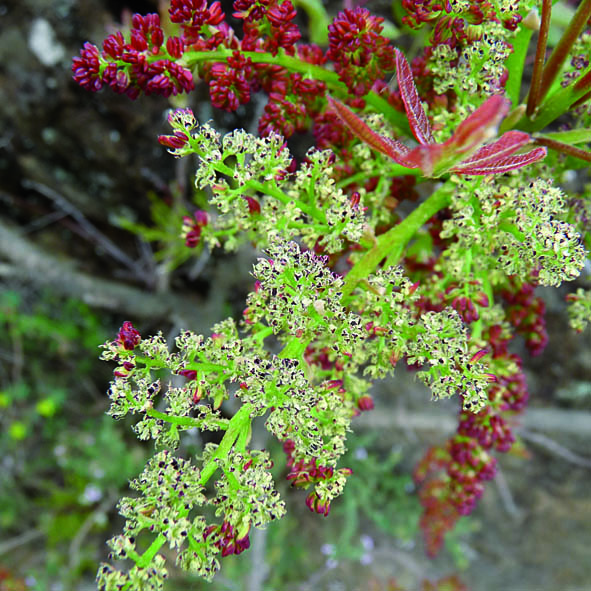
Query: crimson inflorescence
[(142, 64), (302, 473), (452, 477), (525, 311), (360, 53), (227, 538), (147, 62)]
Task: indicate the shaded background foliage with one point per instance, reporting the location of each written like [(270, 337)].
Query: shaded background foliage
[(72, 166)]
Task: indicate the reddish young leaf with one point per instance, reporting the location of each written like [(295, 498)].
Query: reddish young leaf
[(506, 145), (417, 118), (504, 165), (479, 126), (461, 153), (391, 148), (424, 157)]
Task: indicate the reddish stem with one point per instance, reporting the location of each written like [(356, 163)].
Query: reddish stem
[(560, 53), (564, 148), (535, 95)]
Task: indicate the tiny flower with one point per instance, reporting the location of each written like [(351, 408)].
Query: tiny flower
[(463, 152)]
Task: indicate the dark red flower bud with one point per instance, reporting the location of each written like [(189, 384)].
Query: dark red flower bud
[(193, 237), (175, 47), (176, 141), (128, 336), (201, 217), (254, 207), (365, 403), (190, 374)]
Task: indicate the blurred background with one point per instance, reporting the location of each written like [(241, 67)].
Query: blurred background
[(90, 213)]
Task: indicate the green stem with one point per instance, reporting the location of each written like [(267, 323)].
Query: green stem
[(294, 64), (392, 243), (238, 423), (558, 103), (294, 349), (147, 557), (185, 421)]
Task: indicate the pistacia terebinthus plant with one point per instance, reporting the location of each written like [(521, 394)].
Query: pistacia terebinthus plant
[(347, 284)]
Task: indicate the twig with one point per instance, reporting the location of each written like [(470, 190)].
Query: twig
[(556, 448), (535, 96), (564, 148), (506, 496), (90, 230), (560, 53), (39, 267), (20, 540)]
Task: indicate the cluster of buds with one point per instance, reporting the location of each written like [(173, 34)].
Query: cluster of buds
[(193, 226), (360, 53), (147, 62), (302, 473), (267, 25), (452, 477), (525, 312), (230, 540), (128, 337), (469, 466), (144, 64)]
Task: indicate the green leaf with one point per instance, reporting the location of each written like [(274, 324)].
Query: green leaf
[(515, 63), (572, 136), (557, 104)]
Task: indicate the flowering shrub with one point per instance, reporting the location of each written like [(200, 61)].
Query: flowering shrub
[(348, 285)]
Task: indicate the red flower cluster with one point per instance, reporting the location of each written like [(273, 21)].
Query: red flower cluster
[(229, 84), (452, 477), (526, 312), (267, 25), (147, 62), (228, 541), (140, 65), (303, 473), (193, 226), (195, 17), (361, 55)]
